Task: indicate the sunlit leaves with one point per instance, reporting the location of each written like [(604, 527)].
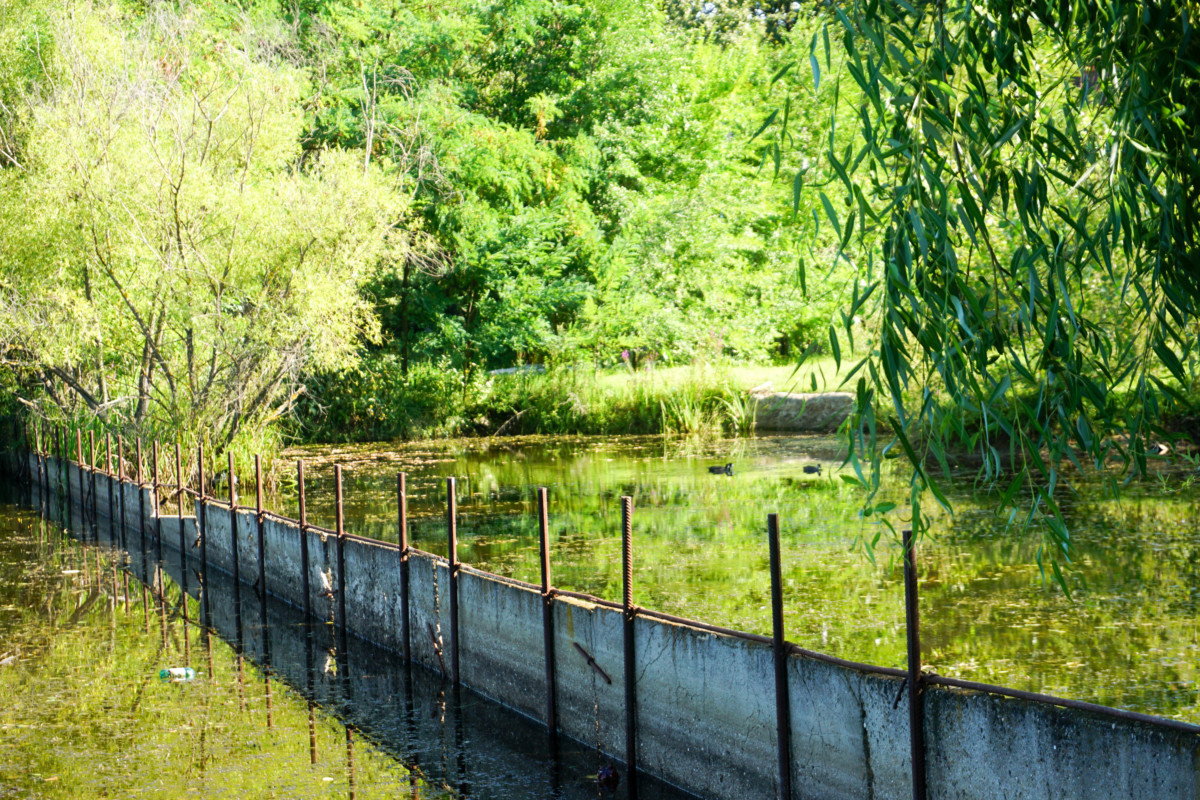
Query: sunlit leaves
[(183, 268)]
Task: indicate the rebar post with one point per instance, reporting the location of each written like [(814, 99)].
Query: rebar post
[(82, 492), (341, 549), (121, 491), (92, 487), (108, 473), (259, 518), (452, 535), (628, 615), (304, 559), (158, 533), (183, 566), (916, 710), (402, 539), (783, 714), (234, 545), (547, 613), (202, 532)]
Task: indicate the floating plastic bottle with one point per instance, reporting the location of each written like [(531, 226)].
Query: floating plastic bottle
[(177, 674)]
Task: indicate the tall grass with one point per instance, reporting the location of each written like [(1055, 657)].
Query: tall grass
[(702, 399)]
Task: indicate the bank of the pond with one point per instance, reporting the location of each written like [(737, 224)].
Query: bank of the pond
[(369, 404)]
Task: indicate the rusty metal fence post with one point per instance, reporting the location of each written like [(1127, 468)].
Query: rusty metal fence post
[(547, 614), (141, 494), (260, 517), (304, 558), (82, 494), (452, 551), (202, 532), (916, 708), (628, 615), (183, 565), (234, 546), (108, 478), (783, 714), (402, 540), (158, 532), (121, 491), (92, 485), (340, 547)]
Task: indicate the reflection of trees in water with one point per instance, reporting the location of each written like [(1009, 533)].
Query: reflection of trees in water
[(700, 552)]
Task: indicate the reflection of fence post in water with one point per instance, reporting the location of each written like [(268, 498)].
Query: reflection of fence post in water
[(916, 709), (547, 614), (310, 681), (402, 540), (628, 615), (452, 543), (783, 717), (350, 760)]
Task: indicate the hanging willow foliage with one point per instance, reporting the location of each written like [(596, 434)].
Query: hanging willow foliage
[(1021, 197)]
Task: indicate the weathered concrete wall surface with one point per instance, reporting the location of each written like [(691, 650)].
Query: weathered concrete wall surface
[(705, 701), (821, 412)]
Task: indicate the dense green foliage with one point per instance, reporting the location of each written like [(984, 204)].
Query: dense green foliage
[(539, 183)]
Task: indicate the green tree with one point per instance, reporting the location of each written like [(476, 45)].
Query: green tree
[(166, 261)]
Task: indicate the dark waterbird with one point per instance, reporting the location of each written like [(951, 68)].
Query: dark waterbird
[(725, 470), (812, 469)]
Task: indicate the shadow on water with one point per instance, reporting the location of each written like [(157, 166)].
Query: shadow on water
[(449, 740)]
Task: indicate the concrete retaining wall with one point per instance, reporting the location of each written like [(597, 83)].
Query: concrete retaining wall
[(705, 701)]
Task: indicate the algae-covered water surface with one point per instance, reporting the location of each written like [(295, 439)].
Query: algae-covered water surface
[(268, 704), (86, 713), (1129, 635)]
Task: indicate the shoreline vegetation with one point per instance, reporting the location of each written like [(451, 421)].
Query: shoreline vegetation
[(372, 404)]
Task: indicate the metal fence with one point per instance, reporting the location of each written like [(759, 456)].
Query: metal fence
[(45, 462)]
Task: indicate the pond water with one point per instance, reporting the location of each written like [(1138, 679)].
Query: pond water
[(1128, 637), (273, 708)]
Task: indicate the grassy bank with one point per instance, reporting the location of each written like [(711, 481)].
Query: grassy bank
[(376, 403)]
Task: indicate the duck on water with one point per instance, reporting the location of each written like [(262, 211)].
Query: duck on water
[(809, 469)]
